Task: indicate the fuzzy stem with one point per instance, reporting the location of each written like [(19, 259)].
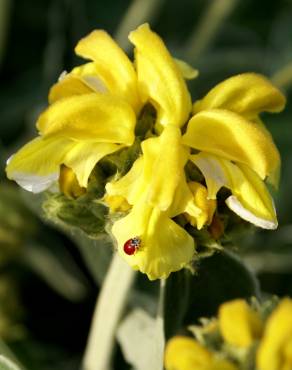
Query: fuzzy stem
[(108, 311), (160, 339)]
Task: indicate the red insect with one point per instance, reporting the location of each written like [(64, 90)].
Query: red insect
[(132, 245)]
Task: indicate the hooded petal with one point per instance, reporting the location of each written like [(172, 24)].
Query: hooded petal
[(36, 165), (230, 136), (247, 94), (112, 65), (250, 198), (81, 80), (165, 159), (159, 174), (83, 157), (165, 246), (90, 117), (68, 86), (160, 79)]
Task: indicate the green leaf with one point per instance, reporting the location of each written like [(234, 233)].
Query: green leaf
[(136, 335), (218, 278)]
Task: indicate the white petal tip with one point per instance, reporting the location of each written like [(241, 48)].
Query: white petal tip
[(62, 76), (34, 183), (234, 204)]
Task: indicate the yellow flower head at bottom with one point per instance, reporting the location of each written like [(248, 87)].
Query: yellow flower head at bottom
[(183, 353), (239, 324), (275, 350)]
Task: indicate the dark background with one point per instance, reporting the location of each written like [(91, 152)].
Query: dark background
[(44, 324)]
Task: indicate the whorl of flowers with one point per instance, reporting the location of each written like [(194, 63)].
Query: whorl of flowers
[(186, 152)]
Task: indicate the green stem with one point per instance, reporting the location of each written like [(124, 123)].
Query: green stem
[(110, 305)]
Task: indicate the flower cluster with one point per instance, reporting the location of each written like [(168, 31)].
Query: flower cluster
[(241, 338), (100, 109)]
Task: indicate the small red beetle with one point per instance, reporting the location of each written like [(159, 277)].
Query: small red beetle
[(132, 245)]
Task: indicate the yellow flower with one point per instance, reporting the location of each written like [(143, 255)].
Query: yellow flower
[(239, 324), (165, 246), (236, 151), (275, 350), (183, 353), (239, 158), (92, 114)]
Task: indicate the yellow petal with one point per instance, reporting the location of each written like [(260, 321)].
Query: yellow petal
[(250, 198), (92, 117), (239, 324), (160, 79), (248, 94), (83, 156), (230, 136), (36, 165), (274, 176), (165, 246), (184, 353), (187, 71), (116, 203), (88, 73), (68, 183), (271, 352), (113, 66), (129, 186), (165, 159), (159, 174), (68, 86), (206, 206)]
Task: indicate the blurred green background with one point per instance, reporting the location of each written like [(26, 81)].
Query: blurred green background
[(47, 290)]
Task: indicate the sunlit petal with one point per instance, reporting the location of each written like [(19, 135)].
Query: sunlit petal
[(165, 246), (160, 79), (83, 157), (165, 159), (113, 66), (70, 85), (159, 173), (248, 94), (90, 117), (250, 198), (36, 165), (230, 136)]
